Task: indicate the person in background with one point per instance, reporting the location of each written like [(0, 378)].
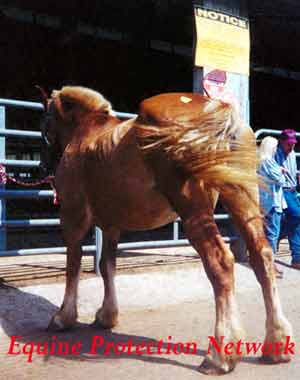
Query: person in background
[(271, 196), (286, 158)]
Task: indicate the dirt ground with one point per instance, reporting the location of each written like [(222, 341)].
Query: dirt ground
[(47, 269), (166, 307)]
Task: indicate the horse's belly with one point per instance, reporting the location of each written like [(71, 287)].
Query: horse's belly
[(133, 205), (149, 211)]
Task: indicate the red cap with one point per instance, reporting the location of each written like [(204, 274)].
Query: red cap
[(288, 135)]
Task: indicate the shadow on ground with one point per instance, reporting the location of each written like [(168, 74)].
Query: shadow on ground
[(26, 315)]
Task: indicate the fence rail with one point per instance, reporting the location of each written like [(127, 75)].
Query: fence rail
[(274, 132), (40, 194), (35, 194)]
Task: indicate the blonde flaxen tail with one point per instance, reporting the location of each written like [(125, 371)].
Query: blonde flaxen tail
[(217, 148)]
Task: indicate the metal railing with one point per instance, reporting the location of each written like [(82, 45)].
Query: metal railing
[(272, 132), (40, 194)]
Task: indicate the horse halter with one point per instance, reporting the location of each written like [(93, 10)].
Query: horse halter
[(51, 150), (44, 129)]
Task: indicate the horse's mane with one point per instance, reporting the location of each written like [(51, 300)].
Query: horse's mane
[(83, 97), (101, 131)]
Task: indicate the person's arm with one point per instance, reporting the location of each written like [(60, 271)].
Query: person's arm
[(292, 167), (274, 172)]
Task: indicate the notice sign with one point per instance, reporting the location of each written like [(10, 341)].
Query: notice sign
[(222, 42)]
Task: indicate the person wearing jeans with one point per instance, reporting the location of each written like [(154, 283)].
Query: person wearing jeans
[(286, 158), (271, 196)]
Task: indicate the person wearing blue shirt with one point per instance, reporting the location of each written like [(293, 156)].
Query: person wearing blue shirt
[(271, 196), (286, 158)]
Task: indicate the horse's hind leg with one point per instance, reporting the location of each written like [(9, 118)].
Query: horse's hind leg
[(195, 206), (247, 217), (107, 315), (74, 231)]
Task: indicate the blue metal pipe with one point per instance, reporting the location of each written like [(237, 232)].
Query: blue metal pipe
[(42, 251), (125, 115), (30, 223), (23, 194), (21, 104), (40, 107), (91, 248), (18, 133), (270, 132), (23, 163)]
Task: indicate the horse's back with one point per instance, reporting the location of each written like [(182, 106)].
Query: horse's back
[(176, 107)]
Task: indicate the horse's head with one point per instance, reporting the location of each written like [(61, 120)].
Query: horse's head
[(64, 111)]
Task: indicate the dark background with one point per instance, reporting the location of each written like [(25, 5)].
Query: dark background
[(126, 68), (129, 69)]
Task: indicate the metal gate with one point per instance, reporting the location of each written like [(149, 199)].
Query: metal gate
[(41, 194)]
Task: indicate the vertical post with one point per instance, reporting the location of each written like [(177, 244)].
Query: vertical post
[(224, 74), (236, 84), (176, 230), (97, 257), (2, 183)]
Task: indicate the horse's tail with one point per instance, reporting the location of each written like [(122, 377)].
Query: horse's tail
[(217, 148)]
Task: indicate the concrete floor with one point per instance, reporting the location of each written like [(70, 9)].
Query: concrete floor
[(168, 301)]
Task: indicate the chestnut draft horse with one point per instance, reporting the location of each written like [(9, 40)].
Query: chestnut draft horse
[(172, 160)]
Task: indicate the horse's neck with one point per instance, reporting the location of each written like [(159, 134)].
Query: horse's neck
[(93, 135)]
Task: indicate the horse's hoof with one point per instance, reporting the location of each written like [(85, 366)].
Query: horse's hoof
[(209, 367), (279, 336), (105, 320), (275, 359), (57, 325)]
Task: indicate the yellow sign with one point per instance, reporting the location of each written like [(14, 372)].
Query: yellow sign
[(223, 41)]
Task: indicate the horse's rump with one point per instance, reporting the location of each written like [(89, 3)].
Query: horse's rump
[(205, 137)]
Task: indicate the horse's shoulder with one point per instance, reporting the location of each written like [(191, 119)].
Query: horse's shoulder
[(99, 139)]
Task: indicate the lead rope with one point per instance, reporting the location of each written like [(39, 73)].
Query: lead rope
[(5, 178)]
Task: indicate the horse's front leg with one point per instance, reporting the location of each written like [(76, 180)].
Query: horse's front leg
[(107, 315), (74, 230), (66, 317)]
